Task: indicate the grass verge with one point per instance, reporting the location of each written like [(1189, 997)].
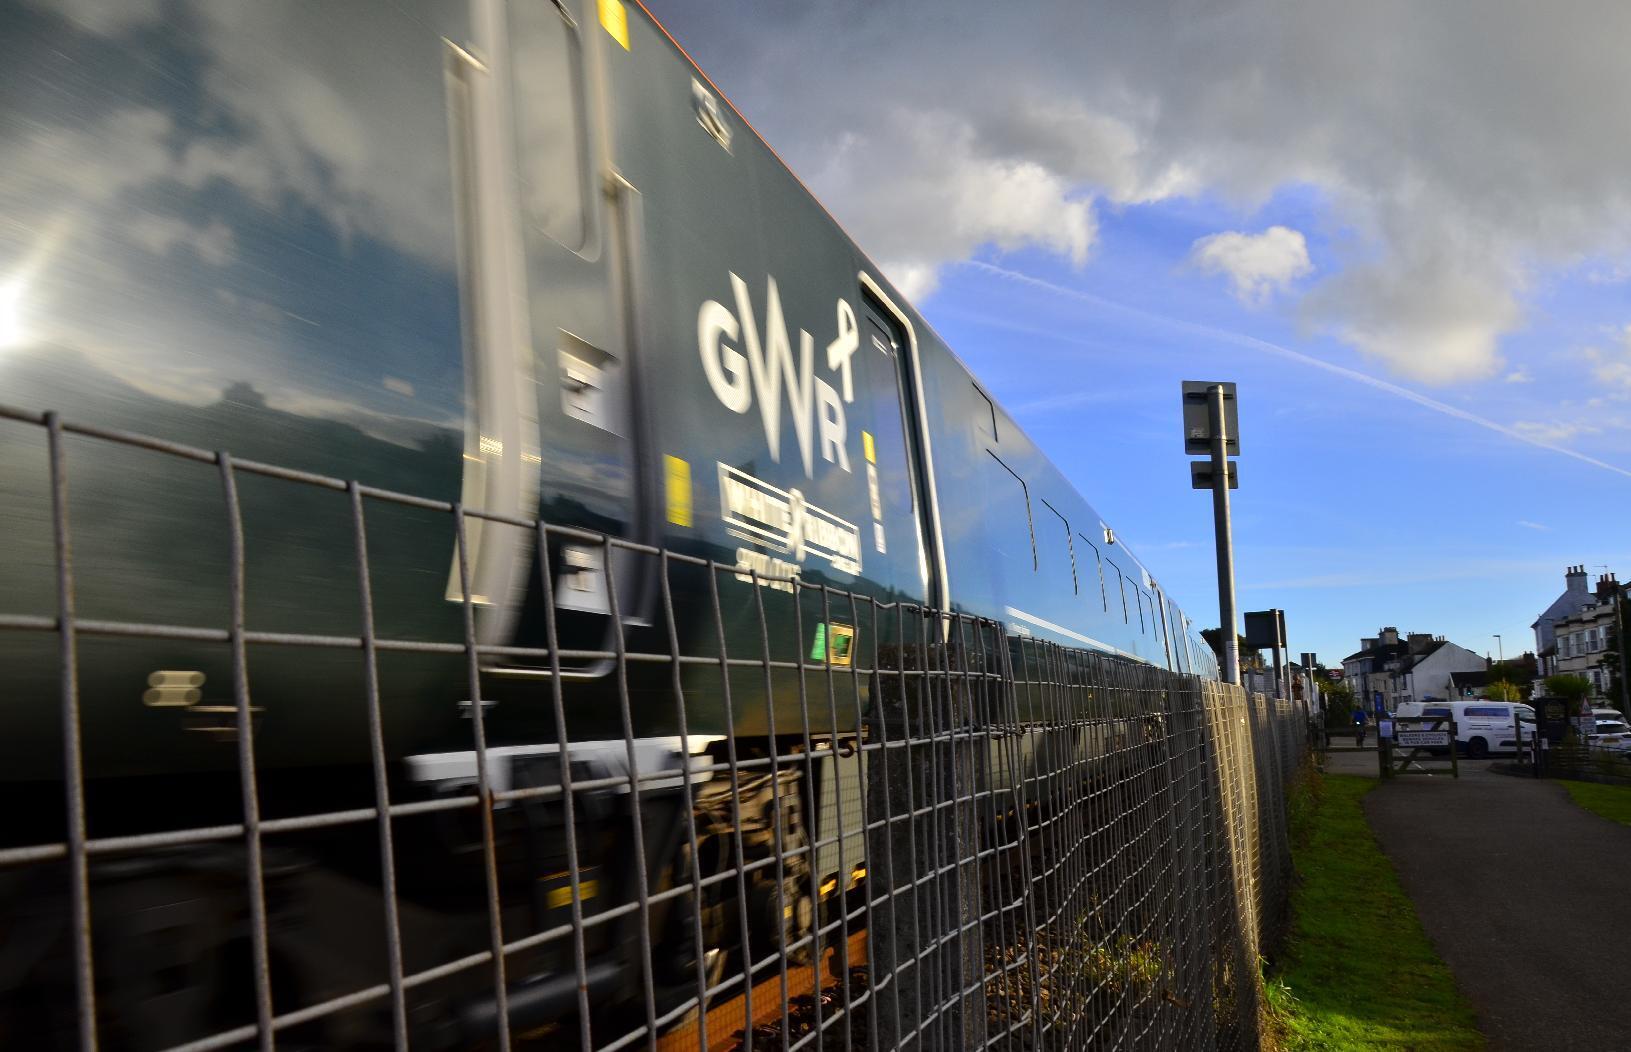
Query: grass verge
[(1357, 971), (1613, 802)]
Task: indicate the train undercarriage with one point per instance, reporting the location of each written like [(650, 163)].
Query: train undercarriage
[(174, 940)]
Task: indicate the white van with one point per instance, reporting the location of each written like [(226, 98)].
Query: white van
[(1481, 726)]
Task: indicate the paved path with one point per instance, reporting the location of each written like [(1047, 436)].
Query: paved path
[(1526, 896)]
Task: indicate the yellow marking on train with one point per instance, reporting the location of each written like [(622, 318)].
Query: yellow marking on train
[(614, 17), (827, 886), (679, 491), (871, 449), (562, 896)]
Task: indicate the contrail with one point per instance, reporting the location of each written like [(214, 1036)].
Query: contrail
[(1253, 343)]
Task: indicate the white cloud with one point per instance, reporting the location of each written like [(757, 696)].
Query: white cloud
[(161, 235), (1613, 368), (945, 198), (1519, 376), (1457, 147), (1554, 431), (107, 17), (1257, 265), (1526, 524)]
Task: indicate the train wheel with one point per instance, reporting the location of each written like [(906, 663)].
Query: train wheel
[(781, 920), (675, 950)]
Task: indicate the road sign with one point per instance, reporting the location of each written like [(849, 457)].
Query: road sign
[(1422, 739), (1198, 419), (1265, 628), (1200, 475)]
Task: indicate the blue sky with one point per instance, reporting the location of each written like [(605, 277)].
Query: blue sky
[(1401, 229), (1358, 507)]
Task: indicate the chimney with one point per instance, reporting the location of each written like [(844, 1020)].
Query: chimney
[(1605, 587), (1575, 579), (1390, 635), (1419, 641), (1367, 642)]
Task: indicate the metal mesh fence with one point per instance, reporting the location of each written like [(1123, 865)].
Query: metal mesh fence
[(960, 838)]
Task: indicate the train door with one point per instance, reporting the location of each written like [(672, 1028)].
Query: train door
[(894, 463), (898, 548), (554, 418)]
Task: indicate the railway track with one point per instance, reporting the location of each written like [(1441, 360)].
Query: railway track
[(726, 1022)]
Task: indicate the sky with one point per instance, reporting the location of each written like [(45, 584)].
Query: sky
[(1403, 229)]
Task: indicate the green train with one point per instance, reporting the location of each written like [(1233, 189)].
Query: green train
[(524, 258)]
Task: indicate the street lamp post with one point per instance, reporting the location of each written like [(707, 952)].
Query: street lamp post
[(1499, 650)]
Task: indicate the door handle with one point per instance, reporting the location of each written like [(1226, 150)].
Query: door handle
[(502, 428)]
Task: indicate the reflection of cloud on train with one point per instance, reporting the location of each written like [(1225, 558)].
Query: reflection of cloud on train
[(508, 272)]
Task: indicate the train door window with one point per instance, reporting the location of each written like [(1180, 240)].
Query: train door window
[(1138, 597), (545, 71), (891, 525), (1098, 568), (1062, 525), (1121, 585)]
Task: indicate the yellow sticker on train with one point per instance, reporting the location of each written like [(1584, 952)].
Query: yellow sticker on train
[(562, 896), (871, 450), (614, 17), (679, 490)]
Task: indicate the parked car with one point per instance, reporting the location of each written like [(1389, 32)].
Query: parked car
[(1613, 734)]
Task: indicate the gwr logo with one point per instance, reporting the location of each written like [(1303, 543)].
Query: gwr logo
[(738, 379)]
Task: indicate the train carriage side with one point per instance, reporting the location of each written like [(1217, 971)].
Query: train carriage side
[(643, 326)]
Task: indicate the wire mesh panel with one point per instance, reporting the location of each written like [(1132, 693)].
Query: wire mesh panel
[(759, 812)]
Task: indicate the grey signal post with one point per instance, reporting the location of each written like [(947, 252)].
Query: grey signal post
[(1211, 427)]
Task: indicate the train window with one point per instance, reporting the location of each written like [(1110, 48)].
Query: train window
[(545, 71), (891, 530), (1025, 492), (1098, 566), (1139, 597), (1121, 584), (1070, 546)]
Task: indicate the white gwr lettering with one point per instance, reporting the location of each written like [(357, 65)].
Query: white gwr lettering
[(769, 367)]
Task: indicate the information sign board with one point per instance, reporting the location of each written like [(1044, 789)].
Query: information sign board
[(1422, 739)]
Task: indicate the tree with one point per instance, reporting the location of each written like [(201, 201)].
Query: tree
[(1339, 704), (1249, 658), (1571, 688), (1501, 690), (1518, 671)]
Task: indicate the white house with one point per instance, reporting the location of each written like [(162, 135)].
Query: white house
[(1429, 675), (1576, 597), (1414, 668)]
